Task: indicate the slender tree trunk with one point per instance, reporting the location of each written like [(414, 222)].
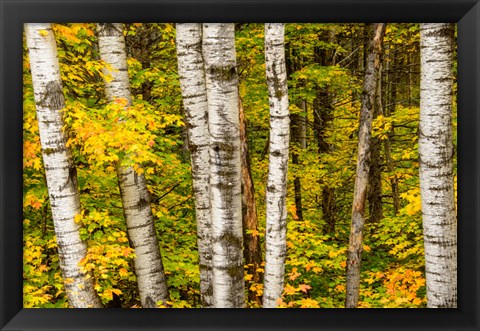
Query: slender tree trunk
[(225, 166), (194, 92), (299, 139), (60, 171), (135, 196), (394, 179), (363, 159), (436, 152), (298, 126), (252, 249), (375, 173), (389, 109), (277, 166), (322, 117)]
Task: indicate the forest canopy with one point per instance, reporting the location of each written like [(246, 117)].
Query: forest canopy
[(185, 146)]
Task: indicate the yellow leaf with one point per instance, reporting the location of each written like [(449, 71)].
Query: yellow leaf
[(309, 303), (370, 280), (68, 281), (43, 33), (417, 301), (78, 218), (289, 289), (108, 294)]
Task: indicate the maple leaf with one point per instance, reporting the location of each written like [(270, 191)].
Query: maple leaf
[(304, 287), (294, 274), (289, 289)]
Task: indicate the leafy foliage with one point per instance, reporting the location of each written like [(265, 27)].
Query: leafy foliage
[(150, 133)]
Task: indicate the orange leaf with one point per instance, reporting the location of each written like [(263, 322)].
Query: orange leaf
[(294, 274), (304, 287), (123, 272)]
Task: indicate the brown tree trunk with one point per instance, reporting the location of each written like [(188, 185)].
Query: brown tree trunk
[(298, 128), (322, 117), (299, 141), (375, 175), (363, 160), (252, 250), (394, 179), (390, 105)]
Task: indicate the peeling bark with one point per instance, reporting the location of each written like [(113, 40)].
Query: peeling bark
[(252, 249), (363, 158)]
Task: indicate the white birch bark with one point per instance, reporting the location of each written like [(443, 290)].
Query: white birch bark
[(59, 170), (275, 239), (135, 196), (219, 55), (436, 167), (194, 92)]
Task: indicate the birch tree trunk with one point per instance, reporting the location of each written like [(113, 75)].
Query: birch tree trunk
[(135, 196), (194, 92), (60, 171), (363, 159), (436, 167), (225, 168), (277, 164)]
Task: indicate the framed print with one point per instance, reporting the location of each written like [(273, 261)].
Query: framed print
[(321, 161)]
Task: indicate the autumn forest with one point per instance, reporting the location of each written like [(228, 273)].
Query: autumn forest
[(239, 165)]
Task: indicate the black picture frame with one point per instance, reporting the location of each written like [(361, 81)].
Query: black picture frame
[(14, 13)]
